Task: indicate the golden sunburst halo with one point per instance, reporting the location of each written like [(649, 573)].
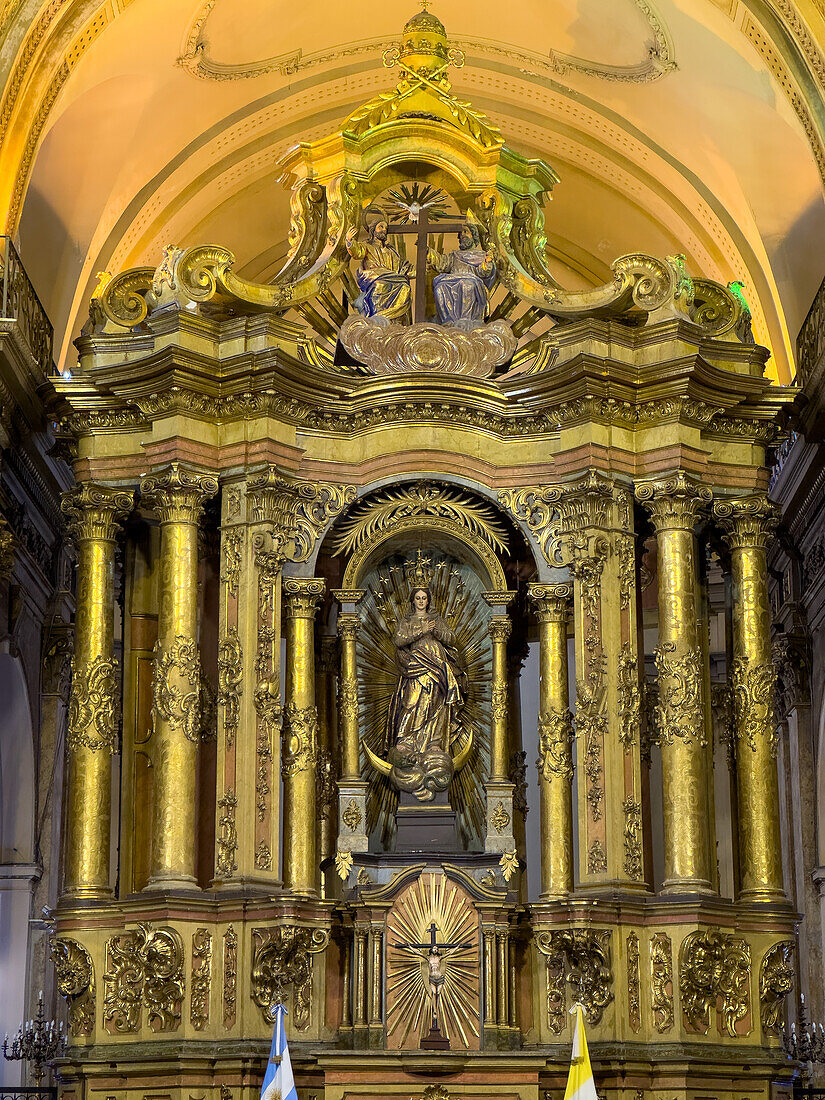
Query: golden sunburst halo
[(432, 899)]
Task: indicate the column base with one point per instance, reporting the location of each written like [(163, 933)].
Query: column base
[(171, 885), (770, 896), (87, 893), (687, 886)]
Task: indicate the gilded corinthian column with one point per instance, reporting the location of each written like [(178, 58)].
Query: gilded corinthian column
[(555, 763), (747, 524), (176, 495), (300, 739), (93, 513), (674, 503)]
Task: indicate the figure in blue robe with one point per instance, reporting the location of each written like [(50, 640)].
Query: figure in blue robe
[(467, 276), (382, 276)]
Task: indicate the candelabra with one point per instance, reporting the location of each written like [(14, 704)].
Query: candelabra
[(38, 1041), (808, 1044)]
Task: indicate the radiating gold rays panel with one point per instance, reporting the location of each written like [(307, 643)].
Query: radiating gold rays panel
[(433, 899)]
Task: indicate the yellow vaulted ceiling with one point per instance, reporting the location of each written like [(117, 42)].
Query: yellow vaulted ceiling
[(693, 126)]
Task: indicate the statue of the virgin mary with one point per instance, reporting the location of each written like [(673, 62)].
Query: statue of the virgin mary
[(431, 690)]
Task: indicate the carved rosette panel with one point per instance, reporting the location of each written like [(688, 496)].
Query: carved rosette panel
[(230, 682), (94, 710), (776, 981), (661, 982), (714, 970), (75, 974), (201, 979), (581, 959), (176, 687), (144, 967), (634, 992), (282, 958), (230, 977)]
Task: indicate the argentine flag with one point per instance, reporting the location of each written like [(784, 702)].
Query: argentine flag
[(580, 1083), (278, 1083)]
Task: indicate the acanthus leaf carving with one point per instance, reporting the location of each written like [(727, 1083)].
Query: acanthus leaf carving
[(176, 687), (661, 981), (776, 981), (94, 709), (144, 967), (75, 974), (282, 958), (201, 978), (230, 682), (714, 971), (581, 958)]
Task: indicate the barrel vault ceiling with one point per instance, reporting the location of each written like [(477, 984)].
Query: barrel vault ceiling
[(693, 126)]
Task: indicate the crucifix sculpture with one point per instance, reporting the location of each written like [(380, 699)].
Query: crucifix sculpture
[(421, 227), (435, 979)]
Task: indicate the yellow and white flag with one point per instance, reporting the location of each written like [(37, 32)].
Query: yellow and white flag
[(580, 1083)]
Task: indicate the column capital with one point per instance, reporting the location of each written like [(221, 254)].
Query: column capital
[(177, 493), (551, 602), (673, 501), (348, 626), (499, 599), (500, 628), (302, 595), (747, 522), (95, 511)]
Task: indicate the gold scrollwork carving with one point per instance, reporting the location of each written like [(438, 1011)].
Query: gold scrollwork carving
[(352, 816), (176, 670), (143, 967), (94, 705), (776, 980), (632, 838), (555, 745), (230, 977), (500, 818), (714, 969), (680, 701), (201, 978), (282, 957), (230, 682), (232, 559), (629, 702), (661, 982), (227, 834), (75, 974), (591, 724), (634, 1010), (539, 510), (300, 739), (753, 686), (581, 958), (348, 699), (596, 858), (263, 857)]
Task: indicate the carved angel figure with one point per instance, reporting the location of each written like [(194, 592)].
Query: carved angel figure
[(382, 276), (467, 276), (429, 694)]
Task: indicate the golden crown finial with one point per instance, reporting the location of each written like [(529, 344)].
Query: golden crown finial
[(419, 572)]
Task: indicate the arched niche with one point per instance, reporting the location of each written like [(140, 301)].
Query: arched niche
[(422, 533), (16, 765)]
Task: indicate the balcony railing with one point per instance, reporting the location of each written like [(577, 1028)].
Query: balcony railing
[(19, 302), (810, 344), (29, 1092)]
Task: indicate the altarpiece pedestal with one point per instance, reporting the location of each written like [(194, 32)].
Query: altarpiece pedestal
[(319, 525)]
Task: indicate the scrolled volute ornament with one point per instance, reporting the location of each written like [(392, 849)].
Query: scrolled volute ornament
[(717, 311), (585, 956), (75, 974), (128, 297), (714, 969), (776, 981), (539, 510)]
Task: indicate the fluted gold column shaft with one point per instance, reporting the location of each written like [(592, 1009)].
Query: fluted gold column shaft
[(748, 523), (551, 603), (499, 628), (93, 513), (348, 626), (674, 503), (177, 496), (300, 742)]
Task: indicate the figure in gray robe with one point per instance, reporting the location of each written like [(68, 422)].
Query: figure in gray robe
[(467, 276)]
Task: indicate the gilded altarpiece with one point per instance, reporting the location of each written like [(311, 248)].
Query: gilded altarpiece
[(375, 537)]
